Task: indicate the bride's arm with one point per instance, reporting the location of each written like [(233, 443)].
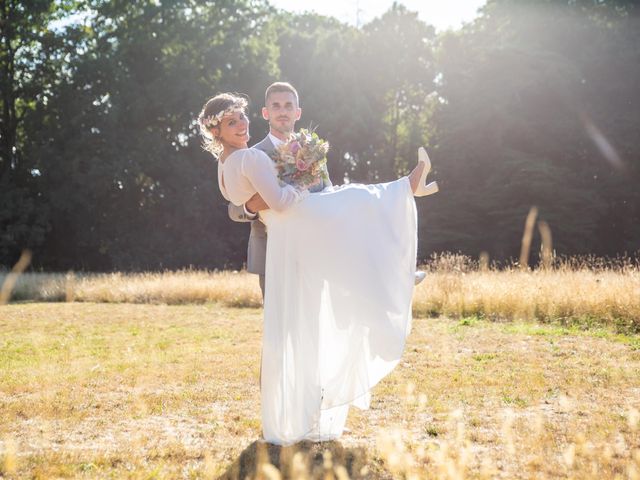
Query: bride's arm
[(260, 171)]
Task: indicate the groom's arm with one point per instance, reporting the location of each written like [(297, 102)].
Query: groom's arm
[(248, 211), (238, 213)]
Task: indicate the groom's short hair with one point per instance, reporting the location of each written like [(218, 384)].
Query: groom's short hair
[(281, 87)]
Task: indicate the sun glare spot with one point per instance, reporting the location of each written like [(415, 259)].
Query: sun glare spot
[(605, 147)]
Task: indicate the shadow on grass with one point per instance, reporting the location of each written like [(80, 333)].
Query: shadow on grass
[(260, 459)]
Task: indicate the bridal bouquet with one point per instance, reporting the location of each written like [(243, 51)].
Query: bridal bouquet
[(302, 160)]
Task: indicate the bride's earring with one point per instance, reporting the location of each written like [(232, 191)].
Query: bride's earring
[(424, 190)]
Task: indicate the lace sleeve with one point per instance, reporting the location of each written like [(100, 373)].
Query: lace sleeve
[(258, 168)]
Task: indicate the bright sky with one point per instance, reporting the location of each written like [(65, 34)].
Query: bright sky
[(442, 14)]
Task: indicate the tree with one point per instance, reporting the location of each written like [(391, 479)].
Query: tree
[(124, 167), (397, 59), (31, 59), (514, 105)]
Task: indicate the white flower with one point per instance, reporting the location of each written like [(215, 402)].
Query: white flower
[(213, 120)]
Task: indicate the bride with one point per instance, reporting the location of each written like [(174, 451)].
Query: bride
[(339, 280)]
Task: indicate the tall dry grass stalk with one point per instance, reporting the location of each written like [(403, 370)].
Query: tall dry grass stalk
[(9, 281), (230, 288), (523, 439), (527, 237), (574, 290)]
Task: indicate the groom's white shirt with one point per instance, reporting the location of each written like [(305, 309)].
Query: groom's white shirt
[(275, 140)]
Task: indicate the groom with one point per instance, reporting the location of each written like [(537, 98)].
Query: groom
[(282, 111)]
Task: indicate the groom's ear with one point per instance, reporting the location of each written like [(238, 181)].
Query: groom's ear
[(299, 114), (265, 113)]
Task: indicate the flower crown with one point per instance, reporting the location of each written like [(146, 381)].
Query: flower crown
[(213, 120)]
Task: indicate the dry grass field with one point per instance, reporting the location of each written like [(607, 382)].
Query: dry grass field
[(585, 292), (159, 390)]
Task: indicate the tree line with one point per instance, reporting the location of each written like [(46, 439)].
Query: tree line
[(101, 166)]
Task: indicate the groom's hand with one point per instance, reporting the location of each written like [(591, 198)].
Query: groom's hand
[(256, 204)]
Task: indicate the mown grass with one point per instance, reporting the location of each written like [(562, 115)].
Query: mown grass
[(97, 390)]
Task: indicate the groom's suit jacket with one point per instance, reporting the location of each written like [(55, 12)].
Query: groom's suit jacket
[(257, 249)]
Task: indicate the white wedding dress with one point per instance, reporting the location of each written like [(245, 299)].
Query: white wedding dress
[(339, 282)]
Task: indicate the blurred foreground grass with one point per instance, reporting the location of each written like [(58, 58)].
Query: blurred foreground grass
[(585, 292), (97, 390)]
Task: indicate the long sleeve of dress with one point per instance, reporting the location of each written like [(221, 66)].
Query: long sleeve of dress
[(258, 168)]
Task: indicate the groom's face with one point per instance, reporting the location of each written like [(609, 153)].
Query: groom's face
[(282, 112)]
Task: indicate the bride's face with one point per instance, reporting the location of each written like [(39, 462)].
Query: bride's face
[(233, 131)]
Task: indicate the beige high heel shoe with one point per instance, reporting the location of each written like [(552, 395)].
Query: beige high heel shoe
[(431, 188)]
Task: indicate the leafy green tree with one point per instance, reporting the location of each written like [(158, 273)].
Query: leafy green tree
[(32, 56), (512, 129), (534, 103), (318, 56), (398, 71), (367, 89), (131, 185)]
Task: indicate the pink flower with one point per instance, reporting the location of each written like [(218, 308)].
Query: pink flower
[(295, 146), (301, 165)]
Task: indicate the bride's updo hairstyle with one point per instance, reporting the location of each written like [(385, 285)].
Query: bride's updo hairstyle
[(211, 115)]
